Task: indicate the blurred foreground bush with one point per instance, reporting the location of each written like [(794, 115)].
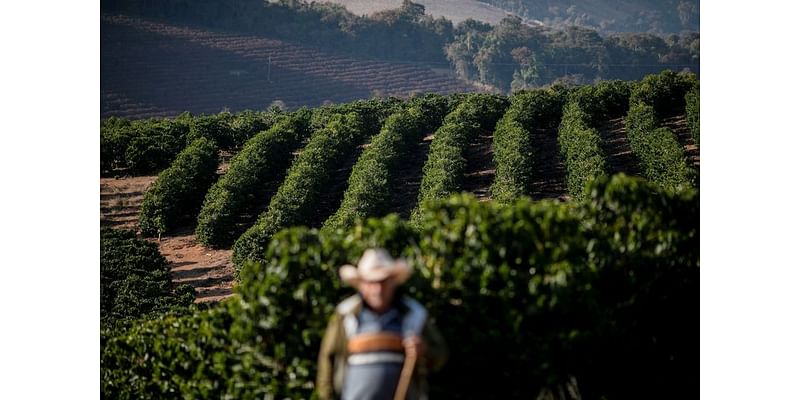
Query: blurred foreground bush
[(535, 299)]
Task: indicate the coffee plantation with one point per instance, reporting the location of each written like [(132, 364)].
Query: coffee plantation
[(592, 295), (587, 298)]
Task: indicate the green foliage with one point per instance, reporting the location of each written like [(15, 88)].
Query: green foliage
[(297, 196), (513, 144), (693, 112), (141, 147), (600, 293), (580, 148), (444, 170), (603, 101), (177, 194), (266, 154), (171, 357), (513, 54), (371, 182), (148, 146), (214, 127), (660, 155), (372, 113), (645, 246), (231, 131), (135, 280), (665, 92)]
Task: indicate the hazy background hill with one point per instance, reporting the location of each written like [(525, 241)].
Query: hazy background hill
[(163, 58), (454, 10), (653, 16)]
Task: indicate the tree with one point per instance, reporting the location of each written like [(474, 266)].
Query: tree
[(527, 75)]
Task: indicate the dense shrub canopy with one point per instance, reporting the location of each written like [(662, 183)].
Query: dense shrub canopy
[(177, 194), (535, 297), (373, 177), (297, 197), (665, 91), (142, 147), (265, 155), (693, 112), (443, 171), (661, 157), (135, 279), (580, 148), (513, 145)]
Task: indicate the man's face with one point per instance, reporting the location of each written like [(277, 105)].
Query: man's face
[(378, 295)]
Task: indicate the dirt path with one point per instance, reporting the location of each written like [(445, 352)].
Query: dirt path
[(408, 177), (677, 124), (614, 142), (480, 171), (333, 193), (549, 173), (209, 271)]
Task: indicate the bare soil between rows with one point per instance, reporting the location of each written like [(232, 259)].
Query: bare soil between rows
[(614, 142), (549, 172), (408, 178), (208, 271), (480, 171)]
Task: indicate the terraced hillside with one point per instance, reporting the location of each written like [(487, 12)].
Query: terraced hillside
[(544, 144), (209, 271), (153, 69)]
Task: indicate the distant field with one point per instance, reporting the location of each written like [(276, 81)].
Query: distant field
[(454, 10), (152, 69)]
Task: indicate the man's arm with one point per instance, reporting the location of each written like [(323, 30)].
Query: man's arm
[(325, 362)]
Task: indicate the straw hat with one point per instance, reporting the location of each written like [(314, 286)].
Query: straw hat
[(376, 265)]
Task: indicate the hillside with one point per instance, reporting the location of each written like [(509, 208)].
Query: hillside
[(154, 69), (544, 144), (654, 16), (663, 17), (454, 10)]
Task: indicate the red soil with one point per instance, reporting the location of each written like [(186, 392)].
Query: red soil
[(209, 271)]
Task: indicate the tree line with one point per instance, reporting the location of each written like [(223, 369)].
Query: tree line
[(510, 55)]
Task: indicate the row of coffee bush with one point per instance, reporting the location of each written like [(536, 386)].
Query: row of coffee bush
[(135, 280), (263, 162), (177, 194), (583, 157), (513, 145), (661, 157), (444, 169), (369, 188), (264, 156), (665, 92), (142, 147), (535, 299), (297, 197), (588, 107), (693, 112)]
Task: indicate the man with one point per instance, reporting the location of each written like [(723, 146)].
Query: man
[(379, 344)]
